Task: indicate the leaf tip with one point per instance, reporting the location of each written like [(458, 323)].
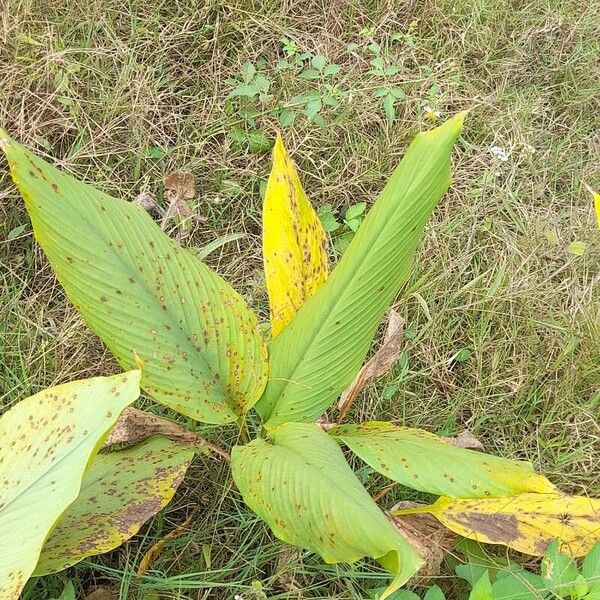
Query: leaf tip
[(4, 140)]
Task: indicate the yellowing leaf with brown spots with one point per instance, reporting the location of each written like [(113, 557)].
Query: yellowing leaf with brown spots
[(527, 522), (144, 295), (318, 354), (46, 442), (300, 484), (294, 242), (423, 461), (119, 493)]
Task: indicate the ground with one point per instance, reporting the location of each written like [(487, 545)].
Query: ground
[(501, 312)]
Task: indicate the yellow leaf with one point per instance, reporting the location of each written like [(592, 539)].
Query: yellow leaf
[(597, 207), (527, 522), (294, 242), (157, 548)]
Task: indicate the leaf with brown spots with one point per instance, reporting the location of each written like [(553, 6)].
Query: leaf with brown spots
[(294, 242), (527, 522), (144, 295), (314, 359), (136, 425), (383, 360), (119, 493), (46, 443), (300, 484), (422, 461)]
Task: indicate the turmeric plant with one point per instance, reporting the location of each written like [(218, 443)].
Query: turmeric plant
[(156, 305)]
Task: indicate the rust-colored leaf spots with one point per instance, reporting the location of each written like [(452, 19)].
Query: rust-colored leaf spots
[(294, 242), (527, 522), (119, 493), (145, 296), (46, 442), (423, 461), (300, 484)]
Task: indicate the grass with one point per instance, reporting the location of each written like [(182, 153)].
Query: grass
[(123, 93)]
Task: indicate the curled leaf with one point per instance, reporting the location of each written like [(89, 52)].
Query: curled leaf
[(527, 522), (379, 365), (135, 426), (294, 242), (465, 439), (301, 485)]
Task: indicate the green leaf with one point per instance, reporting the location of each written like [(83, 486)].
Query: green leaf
[(355, 210), (262, 84), (312, 108), (482, 590), (68, 593), (153, 152), (47, 442), (423, 461), (558, 570), (462, 355), (310, 74), (301, 485), (319, 61), (327, 218), (519, 585), (318, 354), (144, 295), (15, 232), (434, 593), (354, 224), (332, 69), (248, 70), (244, 91), (590, 568), (258, 142), (470, 572), (119, 493), (287, 117), (388, 106)]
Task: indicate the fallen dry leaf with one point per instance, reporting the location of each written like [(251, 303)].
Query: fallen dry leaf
[(156, 549), (179, 187), (135, 426), (428, 536), (378, 365), (286, 556), (148, 202), (465, 439)]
